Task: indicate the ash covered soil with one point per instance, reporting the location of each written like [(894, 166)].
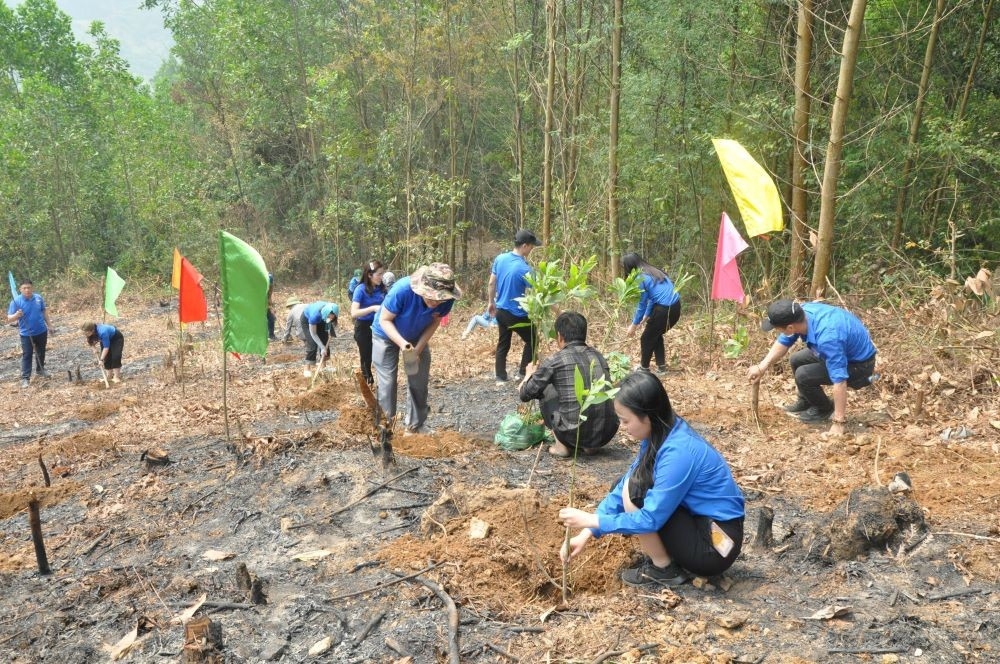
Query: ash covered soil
[(300, 546)]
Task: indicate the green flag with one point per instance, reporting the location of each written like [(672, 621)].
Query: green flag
[(244, 296), (113, 285)]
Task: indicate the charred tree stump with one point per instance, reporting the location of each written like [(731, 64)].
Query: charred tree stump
[(36, 537), (45, 471), (764, 538), (202, 642)]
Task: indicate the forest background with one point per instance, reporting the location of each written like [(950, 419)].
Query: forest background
[(326, 132)]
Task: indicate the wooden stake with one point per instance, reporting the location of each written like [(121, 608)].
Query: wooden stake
[(45, 471), (35, 520)]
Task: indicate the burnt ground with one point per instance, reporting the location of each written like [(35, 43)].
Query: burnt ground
[(296, 497)]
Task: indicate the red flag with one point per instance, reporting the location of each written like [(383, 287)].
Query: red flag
[(192, 307), (726, 284)]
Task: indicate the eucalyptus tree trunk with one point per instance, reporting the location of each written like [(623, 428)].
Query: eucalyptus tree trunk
[(911, 144), (960, 115), (835, 148), (550, 85), (518, 137), (800, 197), (616, 88), (450, 242)]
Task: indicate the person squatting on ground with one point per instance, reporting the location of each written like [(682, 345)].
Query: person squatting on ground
[(552, 383), (409, 316), (368, 298), (483, 320), (112, 344), (839, 352), (317, 318), (659, 307), (293, 320), (32, 318), (507, 282), (678, 496)]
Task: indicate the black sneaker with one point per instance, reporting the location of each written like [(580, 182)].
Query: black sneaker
[(649, 574), (814, 414), (797, 406), (661, 370)]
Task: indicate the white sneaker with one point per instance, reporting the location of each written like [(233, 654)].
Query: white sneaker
[(307, 373)]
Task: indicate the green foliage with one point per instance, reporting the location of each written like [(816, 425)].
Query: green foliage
[(552, 289), (734, 347), (600, 390), (619, 364)]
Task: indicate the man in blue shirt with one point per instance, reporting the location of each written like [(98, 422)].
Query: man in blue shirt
[(507, 282), (32, 318), (409, 316), (839, 352)]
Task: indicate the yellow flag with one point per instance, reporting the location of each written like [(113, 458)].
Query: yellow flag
[(175, 276), (754, 190)]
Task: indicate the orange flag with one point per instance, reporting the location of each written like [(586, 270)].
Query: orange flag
[(192, 307)]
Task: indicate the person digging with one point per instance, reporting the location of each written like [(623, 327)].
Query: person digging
[(839, 352)]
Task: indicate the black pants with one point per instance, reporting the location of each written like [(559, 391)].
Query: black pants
[(505, 323), (311, 347), (688, 540), (811, 374), (660, 320), (363, 337), (33, 345), (270, 323), (113, 360)]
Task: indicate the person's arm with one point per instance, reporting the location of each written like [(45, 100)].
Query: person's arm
[(537, 376), (314, 333), (48, 321), (426, 335), (491, 295), (839, 407), (778, 350), (387, 321), (14, 313)]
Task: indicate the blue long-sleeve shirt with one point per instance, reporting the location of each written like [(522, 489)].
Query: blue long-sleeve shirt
[(837, 337), (652, 293), (687, 472)]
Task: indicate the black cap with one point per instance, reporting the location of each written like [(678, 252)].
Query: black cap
[(782, 313), (524, 236)]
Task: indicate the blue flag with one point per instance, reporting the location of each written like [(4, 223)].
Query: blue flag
[(13, 284)]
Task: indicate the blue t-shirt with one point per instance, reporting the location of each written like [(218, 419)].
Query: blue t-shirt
[(104, 334), (33, 321), (366, 299), (837, 337), (352, 285), (687, 472), (510, 269), (314, 313), (653, 293), (413, 316)]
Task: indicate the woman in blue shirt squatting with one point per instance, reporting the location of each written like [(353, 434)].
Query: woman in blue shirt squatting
[(659, 307), (112, 343), (678, 496), (368, 298), (409, 316)]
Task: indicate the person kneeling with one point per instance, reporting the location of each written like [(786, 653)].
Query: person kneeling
[(552, 383), (678, 496)]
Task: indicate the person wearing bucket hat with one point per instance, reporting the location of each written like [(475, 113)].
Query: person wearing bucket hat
[(318, 320), (293, 320), (409, 316), (368, 298), (839, 352), (507, 283)]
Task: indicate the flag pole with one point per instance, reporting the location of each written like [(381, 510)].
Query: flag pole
[(225, 401)]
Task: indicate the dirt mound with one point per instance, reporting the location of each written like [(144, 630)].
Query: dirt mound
[(97, 411), (14, 502), (517, 562), (321, 396), (441, 444)]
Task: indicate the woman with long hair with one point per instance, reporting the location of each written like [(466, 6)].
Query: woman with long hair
[(678, 496), (111, 342), (659, 307), (368, 296)]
